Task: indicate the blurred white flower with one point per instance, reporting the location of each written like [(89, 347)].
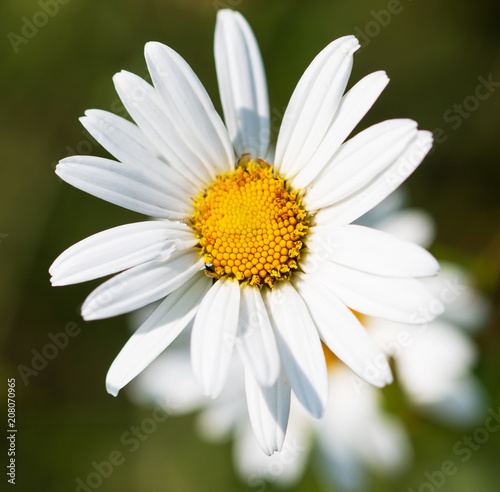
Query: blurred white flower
[(433, 363)]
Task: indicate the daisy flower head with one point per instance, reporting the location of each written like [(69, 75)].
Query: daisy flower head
[(261, 256)]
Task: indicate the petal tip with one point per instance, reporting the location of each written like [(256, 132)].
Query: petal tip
[(426, 135), (434, 266), (270, 450), (226, 13), (151, 46), (55, 282), (382, 75), (154, 51), (385, 379), (351, 45), (87, 313), (212, 393), (121, 77), (112, 389)]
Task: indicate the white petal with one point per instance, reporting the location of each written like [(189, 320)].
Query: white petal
[(465, 306), (360, 160), (222, 416), (413, 225), (268, 409), (395, 299), (218, 421), (141, 285), (169, 381), (147, 109), (343, 334), (391, 205), (255, 341), (356, 432), (129, 145), (371, 251), (449, 355), (242, 84), (213, 335), (352, 108), (299, 347), (340, 466), (121, 138), (380, 187), (128, 187), (120, 248), (283, 469), (464, 405), (157, 333), (313, 105), (188, 105)]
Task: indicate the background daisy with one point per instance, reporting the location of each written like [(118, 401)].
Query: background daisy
[(358, 435)]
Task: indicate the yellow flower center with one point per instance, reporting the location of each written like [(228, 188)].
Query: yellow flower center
[(250, 225)]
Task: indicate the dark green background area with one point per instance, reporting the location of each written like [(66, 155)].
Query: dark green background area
[(433, 51)]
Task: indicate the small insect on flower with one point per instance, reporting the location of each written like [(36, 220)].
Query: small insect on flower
[(259, 253)]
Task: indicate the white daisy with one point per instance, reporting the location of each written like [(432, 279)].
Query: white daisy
[(262, 257)]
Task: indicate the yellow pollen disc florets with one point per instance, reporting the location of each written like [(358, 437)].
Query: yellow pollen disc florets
[(250, 225)]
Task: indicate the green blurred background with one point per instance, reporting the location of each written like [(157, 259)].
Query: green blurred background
[(433, 51)]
